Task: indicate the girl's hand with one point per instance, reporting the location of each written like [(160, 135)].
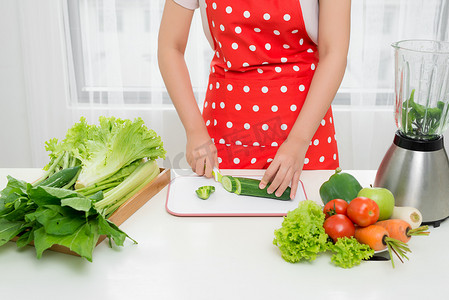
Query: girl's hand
[(201, 154), (285, 168)]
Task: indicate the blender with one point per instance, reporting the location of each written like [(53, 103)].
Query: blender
[(416, 166)]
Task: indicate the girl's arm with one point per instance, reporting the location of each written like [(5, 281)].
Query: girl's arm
[(333, 43), (201, 154)]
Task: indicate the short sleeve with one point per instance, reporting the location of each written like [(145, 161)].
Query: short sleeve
[(189, 4)]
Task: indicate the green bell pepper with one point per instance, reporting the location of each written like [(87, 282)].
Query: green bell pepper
[(340, 186)]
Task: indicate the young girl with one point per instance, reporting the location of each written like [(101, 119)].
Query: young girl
[(276, 69)]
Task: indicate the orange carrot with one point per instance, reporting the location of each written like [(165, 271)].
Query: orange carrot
[(373, 236), (377, 238), (401, 230)]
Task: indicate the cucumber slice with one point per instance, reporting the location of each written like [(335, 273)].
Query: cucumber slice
[(204, 192), (238, 189), (229, 183)]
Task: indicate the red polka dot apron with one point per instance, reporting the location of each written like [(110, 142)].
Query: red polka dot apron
[(260, 75)]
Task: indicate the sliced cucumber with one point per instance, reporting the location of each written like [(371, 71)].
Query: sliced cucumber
[(229, 183), (204, 192)]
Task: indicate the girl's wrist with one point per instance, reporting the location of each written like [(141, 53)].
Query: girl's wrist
[(298, 139)]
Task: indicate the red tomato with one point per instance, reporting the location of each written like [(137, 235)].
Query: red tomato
[(335, 207), (338, 226), (363, 211)]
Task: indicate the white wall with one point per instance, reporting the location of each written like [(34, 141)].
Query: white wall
[(14, 135)]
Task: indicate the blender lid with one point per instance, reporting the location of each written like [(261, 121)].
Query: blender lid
[(405, 142)]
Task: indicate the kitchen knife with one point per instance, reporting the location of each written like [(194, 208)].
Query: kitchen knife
[(216, 174)]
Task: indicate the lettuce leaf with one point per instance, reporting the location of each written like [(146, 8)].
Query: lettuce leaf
[(302, 235), (348, 252), (114, 144)]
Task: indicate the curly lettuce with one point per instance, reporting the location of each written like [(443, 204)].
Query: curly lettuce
[(302, 235), (113, 144), (348, 252), (73, 146)]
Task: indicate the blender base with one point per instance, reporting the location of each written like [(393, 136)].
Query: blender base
[(417, 173), (434, 224)]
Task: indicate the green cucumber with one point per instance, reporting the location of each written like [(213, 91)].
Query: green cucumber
[(229, 183), (250, 187), (203, 192), (61, 178)]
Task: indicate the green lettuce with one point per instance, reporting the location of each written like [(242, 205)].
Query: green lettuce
[(302, 235), (114, 144), (348, 252), (107, 152)]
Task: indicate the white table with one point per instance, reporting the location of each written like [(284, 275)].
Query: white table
[(217, 258)]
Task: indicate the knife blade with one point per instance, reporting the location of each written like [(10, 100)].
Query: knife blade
[(216, 174)]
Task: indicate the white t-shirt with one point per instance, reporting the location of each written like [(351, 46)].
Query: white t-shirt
[(309, 10)]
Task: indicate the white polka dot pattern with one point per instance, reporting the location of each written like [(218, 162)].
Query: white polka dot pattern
[(260, 75)]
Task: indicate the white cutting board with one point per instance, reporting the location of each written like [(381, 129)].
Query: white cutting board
[(183, 201)]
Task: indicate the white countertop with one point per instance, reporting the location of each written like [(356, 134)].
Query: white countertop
[(217, 258)]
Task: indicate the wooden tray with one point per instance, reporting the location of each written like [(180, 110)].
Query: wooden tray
[(128, 208)]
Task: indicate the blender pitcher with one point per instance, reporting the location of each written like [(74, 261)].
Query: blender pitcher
[(422, 88), (416, 166)]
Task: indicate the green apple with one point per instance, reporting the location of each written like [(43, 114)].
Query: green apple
[(383, 197)]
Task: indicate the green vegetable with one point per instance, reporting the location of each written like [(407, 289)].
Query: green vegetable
[(302, 235), (108, 153), (114, 198), (48, 216), (114, 144), (348, 252), (229, 183), (204, 192), (250, 187), (112, 161), (61, 178), (419, 120), (340, 186)]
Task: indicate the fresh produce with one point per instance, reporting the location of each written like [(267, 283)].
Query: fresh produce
[(340, 186), (229, 183), (363, 211), (114, 198), (338, 226), (401, 230), (114, 144), (109, 163), (61, 179), (302, 235), (334, 207), (373, 236), (250, 187), (348, 252), (377, 238), (383, 197), (353, 228), (47, 216), (409, 214), (108, 154), (204, 192)]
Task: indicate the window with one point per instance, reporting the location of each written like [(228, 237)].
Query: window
[(113, 49), (114, 52)]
